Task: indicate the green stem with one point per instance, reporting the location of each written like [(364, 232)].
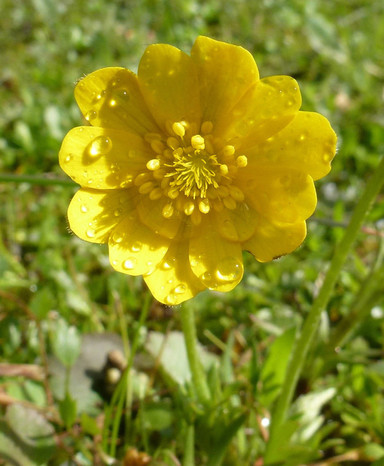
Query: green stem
[(310, 326), (45, 180), (198, 376), (189, 447)]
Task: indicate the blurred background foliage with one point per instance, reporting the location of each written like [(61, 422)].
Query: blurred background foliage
[(62, 306)]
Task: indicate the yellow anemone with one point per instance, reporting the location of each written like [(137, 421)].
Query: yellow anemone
[(190, 162)]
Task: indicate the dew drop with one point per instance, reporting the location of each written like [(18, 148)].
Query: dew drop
[(112, 103), (129, 264), (90, 233), (67, 159), (180, 289), (229, 270), (117, 212), (117, 238), (91, 115), (136, 246), (123, 93), (171, 299), (83, 209), (100, 145)]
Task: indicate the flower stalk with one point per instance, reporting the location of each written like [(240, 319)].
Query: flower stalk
[(198, 376), (279, 414)]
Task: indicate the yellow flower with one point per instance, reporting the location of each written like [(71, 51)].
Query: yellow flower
[(190, 162)]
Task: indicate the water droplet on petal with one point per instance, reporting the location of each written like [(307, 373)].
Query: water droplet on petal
[(171, 299), (180, 289), (91, 115), (136, 246), (117, 238), (129, 264), (90, 233), (67, 159), (229, 270), (117, 212), (83, 209), (100, 146)]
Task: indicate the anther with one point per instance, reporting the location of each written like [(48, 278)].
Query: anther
[(189, 207), (197, 142), (142, 178), (229, 203), (228, 150), (204, 206), (236, 193), (224, 169), (173, 193), (146, 187), (153, 164), (167, 211), (178, 129), (155, 194), (242, 161)]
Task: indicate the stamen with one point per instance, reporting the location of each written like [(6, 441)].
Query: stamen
[(167, 211), (189, 207), (228, 151), (153, 164), (197, 142), (224, 169), (146, 187), (242, 161), (142, 178), (156, 194), (204, 206), (178, 129), (229, 203)]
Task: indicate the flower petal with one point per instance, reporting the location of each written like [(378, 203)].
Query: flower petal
[(218, 263), (267, 107), (173, 281), (103, 158), (225, 72), (238, 224), (169, 84), (282, 196), (150, 213), (308, 143), (92, 214), (272, 240), (134, 248), (111, 98)]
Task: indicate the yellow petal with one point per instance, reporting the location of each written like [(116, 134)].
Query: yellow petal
[(168, 82), (103, 158), (215, 261), (280, 196), (150, 213), (226, 72), (173, 281), (92, 214), (238, 224), (267, 107), (308, 143), (134, 249), (111, 98), (272, 240)]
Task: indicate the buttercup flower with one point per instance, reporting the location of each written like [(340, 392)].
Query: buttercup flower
[(190, 162)]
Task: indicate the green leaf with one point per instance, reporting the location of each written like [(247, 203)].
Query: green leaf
[(157, 416), (273, 370), (66, 343), (42, 302), (68, 410), (26, 437)]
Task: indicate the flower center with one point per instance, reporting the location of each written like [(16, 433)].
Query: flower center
[(193, 169)]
